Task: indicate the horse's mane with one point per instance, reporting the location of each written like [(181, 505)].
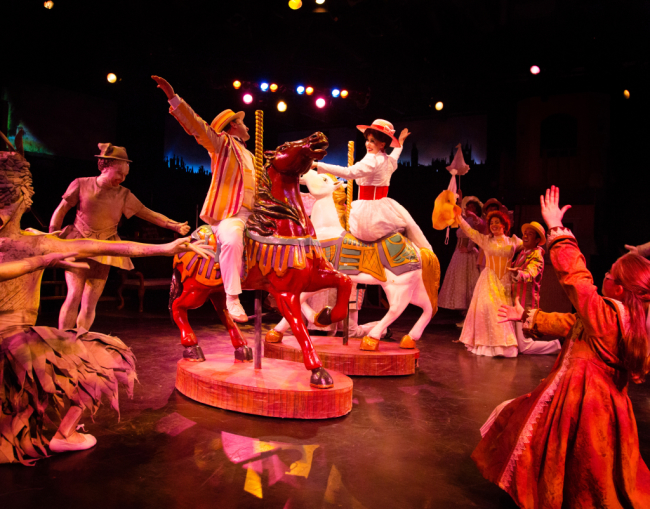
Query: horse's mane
[(267, 208), (340, 201)]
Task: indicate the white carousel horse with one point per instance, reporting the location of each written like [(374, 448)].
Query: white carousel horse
[(410, 286)]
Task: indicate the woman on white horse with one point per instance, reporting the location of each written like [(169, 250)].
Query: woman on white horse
[(374, 216)]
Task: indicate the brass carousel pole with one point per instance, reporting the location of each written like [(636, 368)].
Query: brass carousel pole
[(259, 169), (346, 320)]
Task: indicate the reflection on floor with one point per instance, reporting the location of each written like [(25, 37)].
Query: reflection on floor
[(406, 443)]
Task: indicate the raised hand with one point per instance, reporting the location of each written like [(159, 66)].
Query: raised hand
[(164, 86), (632, 249), (511, 313), (403, 135), (551, 211)]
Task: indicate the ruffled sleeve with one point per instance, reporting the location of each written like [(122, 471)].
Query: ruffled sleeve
[(537, 323)]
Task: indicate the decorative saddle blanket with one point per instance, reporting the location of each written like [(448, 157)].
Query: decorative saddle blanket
[(270, 253), (352, 256), (206, 272)]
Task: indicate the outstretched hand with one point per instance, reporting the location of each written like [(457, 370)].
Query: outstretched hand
[(403, 135), (63, 261), (183, 245), (551, 211), (511, 313), (632, 249), (164, 86)]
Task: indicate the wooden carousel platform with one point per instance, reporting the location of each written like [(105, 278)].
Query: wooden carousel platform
[(348, 359), (280, 389)]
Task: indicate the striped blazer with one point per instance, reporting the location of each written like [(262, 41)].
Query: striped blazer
[(526, 283), (226, 191)]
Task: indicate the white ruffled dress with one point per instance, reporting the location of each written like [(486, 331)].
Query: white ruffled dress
[(371, 220)]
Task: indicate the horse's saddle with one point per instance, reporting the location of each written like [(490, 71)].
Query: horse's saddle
[(352, 256), (207, 272), (270, 253)]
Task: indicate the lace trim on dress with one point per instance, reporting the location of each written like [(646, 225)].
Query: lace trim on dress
[(527, 431), (558, 231), (529, 319)]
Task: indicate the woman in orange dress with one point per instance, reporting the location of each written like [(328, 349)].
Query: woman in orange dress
[(573, 442)]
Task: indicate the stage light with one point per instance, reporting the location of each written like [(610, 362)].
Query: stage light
[(320, 2), (300, 89), (344, 93), (236, 84), (248, 98), (49, 4), (336, 92), (273, 87), (320, 102), (535, 70), (439, 105), (626, 94), (111, 78), (264, 86), (282, 106), (295, 4), (309, 90)]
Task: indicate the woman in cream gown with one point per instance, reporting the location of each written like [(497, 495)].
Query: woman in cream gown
[(482, 333)]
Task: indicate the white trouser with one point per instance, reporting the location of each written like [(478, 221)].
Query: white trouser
[(531, 347), (230, 235)]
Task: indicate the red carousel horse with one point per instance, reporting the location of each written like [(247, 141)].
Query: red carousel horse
[(282, 256)]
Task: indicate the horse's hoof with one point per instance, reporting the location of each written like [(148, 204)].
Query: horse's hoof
[(243, 354), (407, 342), (274, 336), (324, 317), (369, 344), (321, 379), (193, 354)]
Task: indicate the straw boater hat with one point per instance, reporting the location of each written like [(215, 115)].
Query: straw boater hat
[(224, 118), (109, 151), (383, 126), (468, 199), (538, 228)]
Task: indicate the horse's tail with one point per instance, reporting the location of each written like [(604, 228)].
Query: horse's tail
[(431, 276)]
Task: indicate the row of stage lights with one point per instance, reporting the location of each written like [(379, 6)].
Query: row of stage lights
[(300, 90)]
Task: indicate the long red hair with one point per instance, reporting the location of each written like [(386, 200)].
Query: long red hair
[(632, 272)]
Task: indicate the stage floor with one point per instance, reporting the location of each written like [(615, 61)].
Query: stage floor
[(406, 443)]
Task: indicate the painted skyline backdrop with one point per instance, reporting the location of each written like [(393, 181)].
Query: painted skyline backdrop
[(433, 138)]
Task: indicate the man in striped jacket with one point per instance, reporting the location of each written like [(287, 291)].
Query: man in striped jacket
[(231, 195)]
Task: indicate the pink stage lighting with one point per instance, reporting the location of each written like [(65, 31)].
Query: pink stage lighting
[(248, 98), (535, 70), (320, 102)]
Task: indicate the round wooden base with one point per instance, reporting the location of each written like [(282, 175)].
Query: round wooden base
[(279, 389), (350, 360)]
